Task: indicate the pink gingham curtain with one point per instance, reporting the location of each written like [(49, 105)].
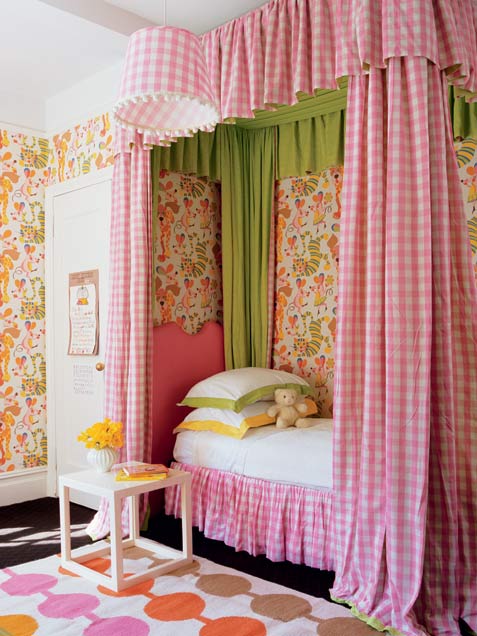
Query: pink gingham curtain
[(405, 409), (128, 360)]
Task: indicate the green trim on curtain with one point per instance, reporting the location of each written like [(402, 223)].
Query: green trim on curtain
[(463, 114), (248, 178)]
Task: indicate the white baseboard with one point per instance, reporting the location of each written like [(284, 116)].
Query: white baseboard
[(22, 486)]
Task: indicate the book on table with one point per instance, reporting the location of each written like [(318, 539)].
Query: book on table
[(141, 472)]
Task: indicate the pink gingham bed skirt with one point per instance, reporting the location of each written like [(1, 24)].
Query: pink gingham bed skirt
[(282, 521)]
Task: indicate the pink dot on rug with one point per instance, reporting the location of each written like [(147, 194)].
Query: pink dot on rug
[(118, 626), (68, 605), (28, 584)]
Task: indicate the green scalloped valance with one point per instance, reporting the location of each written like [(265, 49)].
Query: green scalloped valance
[(309, 137)]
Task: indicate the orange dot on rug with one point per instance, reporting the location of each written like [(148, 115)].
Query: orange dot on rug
[(18, 625), (140, 589), (98, 564), (180, 606), (236, 625)]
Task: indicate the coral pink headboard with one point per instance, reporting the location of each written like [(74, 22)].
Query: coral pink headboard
[(179, 361)]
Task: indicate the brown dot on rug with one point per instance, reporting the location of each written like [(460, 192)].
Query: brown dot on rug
[(191, 568), (225, 585), (281, 607)]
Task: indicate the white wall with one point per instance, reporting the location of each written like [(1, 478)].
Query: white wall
[(23, 485), (20, 111), (86, 99)]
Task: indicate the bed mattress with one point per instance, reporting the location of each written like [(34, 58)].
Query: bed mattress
[(294, 456)]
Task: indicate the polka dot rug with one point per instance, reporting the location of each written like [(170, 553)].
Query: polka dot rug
[(41, 598)]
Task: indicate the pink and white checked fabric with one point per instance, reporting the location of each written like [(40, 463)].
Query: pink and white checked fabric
[(449, 587), (406, 381), (282, 521), (266, 56), (165, 87), (128, 368)]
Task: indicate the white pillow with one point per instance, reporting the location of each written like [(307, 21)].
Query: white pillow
[(237, 388), (227, 422)]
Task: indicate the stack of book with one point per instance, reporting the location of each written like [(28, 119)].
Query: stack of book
[(141, 472)]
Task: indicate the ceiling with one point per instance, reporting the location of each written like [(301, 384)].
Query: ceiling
[(197, 16), (47, 46)]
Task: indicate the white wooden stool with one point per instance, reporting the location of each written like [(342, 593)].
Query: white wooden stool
[(105, 485)]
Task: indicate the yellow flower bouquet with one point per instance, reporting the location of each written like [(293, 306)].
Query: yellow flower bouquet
[(102, 435)]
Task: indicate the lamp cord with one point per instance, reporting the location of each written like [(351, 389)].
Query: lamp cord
[(164, 16)]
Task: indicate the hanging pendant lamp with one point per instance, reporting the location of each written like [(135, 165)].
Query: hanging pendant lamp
[(165, 87)]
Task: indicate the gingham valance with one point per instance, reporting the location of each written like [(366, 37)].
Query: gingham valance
[(266, 56)]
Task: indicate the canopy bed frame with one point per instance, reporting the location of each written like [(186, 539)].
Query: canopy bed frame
[(405, 409)]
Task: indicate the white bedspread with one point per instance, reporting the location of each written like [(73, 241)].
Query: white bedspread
[(295, 456)]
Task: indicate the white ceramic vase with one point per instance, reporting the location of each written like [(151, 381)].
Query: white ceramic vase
[(102, 459)]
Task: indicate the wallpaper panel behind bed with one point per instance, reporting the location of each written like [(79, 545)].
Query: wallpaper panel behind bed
[(307, 231), (186, 252)]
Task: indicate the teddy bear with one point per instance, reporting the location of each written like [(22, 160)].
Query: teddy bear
[(288, 409)]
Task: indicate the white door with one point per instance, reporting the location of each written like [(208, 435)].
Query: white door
[(78, 214)]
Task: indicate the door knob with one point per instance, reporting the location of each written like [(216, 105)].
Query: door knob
[(100, 366)]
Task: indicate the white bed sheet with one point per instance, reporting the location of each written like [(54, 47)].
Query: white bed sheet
[(292, 455)]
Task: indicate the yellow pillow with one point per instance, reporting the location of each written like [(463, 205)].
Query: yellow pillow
[(228, 422)]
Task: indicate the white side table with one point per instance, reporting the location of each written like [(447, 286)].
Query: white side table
[(105, 485)]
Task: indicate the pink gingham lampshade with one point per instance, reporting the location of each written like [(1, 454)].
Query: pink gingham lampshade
[(165, 86)]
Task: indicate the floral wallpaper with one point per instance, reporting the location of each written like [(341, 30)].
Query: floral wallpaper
[(27, 165), (187, 256), (467, 160), (24, 173), (85, 148), (307, 233)]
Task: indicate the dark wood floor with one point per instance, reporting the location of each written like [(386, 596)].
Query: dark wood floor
[(30, 531), (298, 577)]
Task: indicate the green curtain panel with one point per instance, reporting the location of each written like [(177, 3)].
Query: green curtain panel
[(247, 169)]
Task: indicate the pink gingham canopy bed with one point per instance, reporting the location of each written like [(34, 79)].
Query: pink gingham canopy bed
[(406, 373)]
